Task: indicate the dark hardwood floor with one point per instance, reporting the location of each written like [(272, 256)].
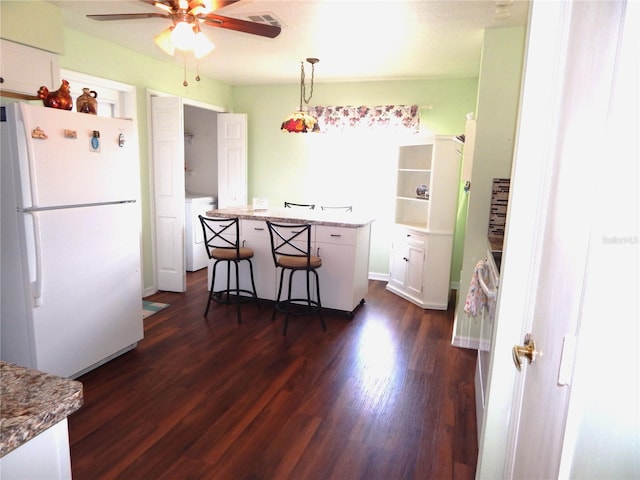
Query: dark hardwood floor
[(381, 396)]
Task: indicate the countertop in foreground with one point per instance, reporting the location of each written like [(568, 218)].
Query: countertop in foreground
[(295, 215), (32, 402)]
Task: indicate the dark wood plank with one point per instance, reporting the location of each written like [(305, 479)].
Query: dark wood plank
[(381, 396)]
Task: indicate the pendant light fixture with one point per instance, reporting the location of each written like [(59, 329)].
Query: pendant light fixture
[(300, 121)]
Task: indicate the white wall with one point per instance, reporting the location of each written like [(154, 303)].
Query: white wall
[(201, 150), (496, 118)]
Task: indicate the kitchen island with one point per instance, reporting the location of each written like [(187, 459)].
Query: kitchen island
[(33, 422), (341, 239)]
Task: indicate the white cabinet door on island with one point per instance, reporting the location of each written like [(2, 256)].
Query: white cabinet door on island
[(255, 235), (345, 265)]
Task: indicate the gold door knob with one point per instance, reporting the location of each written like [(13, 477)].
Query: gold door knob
[(528, 351)]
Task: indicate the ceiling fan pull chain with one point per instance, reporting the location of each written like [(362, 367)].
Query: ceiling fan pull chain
[(184, 63), (197, 71)]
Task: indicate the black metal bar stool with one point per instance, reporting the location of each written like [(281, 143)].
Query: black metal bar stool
[(344, 208), (310, 206), (291, 250), (222, 241)]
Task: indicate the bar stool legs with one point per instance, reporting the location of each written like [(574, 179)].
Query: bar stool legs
[(284, 306)]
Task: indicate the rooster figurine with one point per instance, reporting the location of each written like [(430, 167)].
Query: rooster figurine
[(60, 98)]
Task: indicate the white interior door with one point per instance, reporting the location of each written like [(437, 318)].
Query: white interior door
[(554, 420), (167, 133), (232, 160)]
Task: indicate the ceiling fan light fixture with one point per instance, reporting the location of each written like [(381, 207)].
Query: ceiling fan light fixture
[(202, 45), (183, 37), (163, 40)]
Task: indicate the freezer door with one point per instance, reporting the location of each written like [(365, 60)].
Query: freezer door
[(68, 158), (90, 304)]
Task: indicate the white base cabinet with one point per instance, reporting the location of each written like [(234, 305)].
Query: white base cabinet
[(45, 456), (420, 264)]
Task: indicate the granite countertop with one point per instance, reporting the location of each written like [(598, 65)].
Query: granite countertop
[(31, 402), (295, 215)]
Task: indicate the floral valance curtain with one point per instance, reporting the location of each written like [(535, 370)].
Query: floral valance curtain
[(341, 118)]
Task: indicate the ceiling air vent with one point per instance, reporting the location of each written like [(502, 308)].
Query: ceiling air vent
[(268, 18)]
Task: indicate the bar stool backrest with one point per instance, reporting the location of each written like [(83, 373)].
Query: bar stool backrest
[(344, 208), (290, 240), (220, 233), (310, 206)]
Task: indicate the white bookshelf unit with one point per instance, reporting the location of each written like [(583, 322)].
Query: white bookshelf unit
[(425, 212)]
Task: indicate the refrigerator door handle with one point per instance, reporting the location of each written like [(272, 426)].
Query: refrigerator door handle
[(34, 257)]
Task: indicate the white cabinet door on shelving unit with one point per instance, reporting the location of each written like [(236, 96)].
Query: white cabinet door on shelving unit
[(399, 265), (406, 276), (415, 269)]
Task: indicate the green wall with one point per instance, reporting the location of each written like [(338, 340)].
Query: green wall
[(496, 120), (42, 20), (279, 163)]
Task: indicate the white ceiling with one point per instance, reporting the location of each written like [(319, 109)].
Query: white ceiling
[(354, 39)]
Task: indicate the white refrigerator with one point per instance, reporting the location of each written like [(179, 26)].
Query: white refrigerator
[(70, 238)]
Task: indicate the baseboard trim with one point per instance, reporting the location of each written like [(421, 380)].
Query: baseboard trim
[(383, 277), (149, 291)]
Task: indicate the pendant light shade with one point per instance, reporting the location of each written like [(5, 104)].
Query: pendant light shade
[(300, 121)]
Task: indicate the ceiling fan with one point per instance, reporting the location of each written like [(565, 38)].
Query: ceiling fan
[(195, 12)]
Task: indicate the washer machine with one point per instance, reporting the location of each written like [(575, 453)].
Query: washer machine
[(195, 252)]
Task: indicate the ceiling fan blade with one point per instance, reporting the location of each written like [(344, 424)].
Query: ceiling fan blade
[(126, 16), (192, 4), (245, 26), (215, 4), (171, 4)]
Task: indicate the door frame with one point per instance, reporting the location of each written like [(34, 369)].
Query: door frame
[(152, 210), (536, 168)]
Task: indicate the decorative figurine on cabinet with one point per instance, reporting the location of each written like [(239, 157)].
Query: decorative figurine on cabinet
[(60, 98), (87, 103)]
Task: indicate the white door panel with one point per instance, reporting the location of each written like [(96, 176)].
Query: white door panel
[(562, 276), (169, 197), (232, 160)]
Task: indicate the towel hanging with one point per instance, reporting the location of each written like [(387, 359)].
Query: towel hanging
[(476, 299)]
